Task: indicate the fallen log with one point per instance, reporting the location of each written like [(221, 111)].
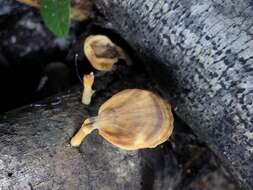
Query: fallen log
[(35, 151), (201, 52), (36, 154)]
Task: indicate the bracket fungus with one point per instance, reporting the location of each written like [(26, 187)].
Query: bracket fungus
[(131, 119), (102, 53), (88, 81)]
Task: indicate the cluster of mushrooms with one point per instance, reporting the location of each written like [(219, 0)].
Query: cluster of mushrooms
[(131, 119)]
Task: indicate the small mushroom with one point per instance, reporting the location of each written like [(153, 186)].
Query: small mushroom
[(102, 53), (131, 119), (88, 81)]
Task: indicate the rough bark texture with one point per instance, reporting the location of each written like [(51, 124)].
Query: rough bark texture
[(35, 151), (201, 51)]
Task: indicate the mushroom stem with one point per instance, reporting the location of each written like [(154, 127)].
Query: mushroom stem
[(88, 81), (86, 129), (87, 94)]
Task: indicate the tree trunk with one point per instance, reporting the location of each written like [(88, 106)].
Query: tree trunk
[(201, 52)]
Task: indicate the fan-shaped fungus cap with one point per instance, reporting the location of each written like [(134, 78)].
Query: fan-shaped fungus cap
[(131, 119), (102, 53), (88, 81)]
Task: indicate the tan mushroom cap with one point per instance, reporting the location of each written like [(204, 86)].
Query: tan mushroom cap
[(101, 52), (132, 119)]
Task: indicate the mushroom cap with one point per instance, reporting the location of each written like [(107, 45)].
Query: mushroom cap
[(101, 52), (135, 119)]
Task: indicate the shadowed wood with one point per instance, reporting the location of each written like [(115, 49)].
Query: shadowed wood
[(200, 53)]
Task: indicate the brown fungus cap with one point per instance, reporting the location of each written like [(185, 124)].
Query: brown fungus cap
[(101, 52), (131, 119)]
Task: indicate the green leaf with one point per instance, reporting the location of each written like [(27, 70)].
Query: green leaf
[(56, 15)]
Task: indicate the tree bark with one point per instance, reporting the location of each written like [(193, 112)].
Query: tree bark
[(201, 52)]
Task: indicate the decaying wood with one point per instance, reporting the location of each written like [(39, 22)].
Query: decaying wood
[(35, 151), (201, 52), (36, 154)]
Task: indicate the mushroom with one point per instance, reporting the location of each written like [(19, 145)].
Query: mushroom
[(102, 53), (88, 81), (131, 119)]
